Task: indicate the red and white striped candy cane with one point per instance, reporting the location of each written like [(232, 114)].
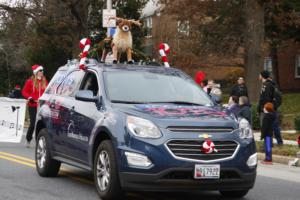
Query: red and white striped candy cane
[(164, 49), (84, 44)]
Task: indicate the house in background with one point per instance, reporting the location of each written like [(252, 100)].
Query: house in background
[(163, 28)]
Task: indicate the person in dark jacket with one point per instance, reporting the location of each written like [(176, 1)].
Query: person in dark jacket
[(16, 93), (266, 94), (267, 131), (276, 125), (245, 109), (240, 89)]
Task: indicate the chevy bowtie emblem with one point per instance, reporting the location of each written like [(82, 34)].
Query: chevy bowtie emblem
[(205, 136)]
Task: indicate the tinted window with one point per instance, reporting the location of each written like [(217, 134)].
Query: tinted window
[(55, 81), (132, 86), (70, 83), (90, 83)]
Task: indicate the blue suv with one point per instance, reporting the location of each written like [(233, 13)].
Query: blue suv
[(142, 128)]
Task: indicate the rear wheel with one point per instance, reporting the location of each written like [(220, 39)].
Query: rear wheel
[(45, 165), (106, 173), (234, 193)]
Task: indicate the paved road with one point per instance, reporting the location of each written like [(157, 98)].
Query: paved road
[(19, 181)]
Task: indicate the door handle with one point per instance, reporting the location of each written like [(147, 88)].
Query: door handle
[(72, 111)]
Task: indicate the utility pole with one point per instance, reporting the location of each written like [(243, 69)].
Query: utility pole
[(109, 7)]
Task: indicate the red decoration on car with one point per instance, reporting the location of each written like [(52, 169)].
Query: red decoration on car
[(208, 147)]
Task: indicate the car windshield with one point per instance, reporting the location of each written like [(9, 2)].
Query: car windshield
[(153, 87)]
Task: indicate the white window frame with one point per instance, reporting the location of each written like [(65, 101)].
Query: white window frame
[(268, 64), (181, 24), (297, 66)]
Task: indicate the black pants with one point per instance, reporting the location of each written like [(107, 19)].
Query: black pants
[(32, 116)]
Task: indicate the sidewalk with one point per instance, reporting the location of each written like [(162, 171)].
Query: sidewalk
[(289, 142), (287, 160)]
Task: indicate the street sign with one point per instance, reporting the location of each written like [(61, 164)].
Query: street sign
[(107, 15)]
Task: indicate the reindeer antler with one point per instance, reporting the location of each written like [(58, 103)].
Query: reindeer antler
[(135, 22)]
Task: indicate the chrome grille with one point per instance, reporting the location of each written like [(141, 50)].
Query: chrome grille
[(192, 149), (200, 129)]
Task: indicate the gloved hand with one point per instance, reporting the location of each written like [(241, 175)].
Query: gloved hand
[(31, 100)]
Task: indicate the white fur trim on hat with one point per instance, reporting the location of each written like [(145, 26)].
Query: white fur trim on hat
[(36, 70)]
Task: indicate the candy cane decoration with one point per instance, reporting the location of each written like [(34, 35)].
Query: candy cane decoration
[(84, 44), (208, 147), (164, 49)]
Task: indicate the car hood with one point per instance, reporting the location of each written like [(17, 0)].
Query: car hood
[(165, 115)]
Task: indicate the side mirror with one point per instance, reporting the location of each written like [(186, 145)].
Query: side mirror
[(86, 95)]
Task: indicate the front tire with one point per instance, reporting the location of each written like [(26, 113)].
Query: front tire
[(234, 193), (45, 165), (106, 173)]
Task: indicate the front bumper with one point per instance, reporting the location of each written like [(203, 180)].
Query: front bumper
[(181, 179), (172, 174)]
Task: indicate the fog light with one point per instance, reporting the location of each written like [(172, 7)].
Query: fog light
[(137, 160), (252, 161)]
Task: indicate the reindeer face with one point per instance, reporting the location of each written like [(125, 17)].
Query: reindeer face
[(125, 25)]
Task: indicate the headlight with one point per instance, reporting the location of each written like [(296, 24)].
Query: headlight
[(142, 128), (245, 129)]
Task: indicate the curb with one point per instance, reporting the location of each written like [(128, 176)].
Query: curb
[(278, 159)]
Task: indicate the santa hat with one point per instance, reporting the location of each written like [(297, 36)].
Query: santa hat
[(200, 76), (36, 68)]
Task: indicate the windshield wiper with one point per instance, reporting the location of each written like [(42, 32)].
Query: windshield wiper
[(128, 102), (179, 102)]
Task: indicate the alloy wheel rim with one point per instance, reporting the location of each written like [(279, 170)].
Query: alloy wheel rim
[(41, 152), (103, 171)]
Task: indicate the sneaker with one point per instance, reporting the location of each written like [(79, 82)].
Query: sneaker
[(27, 144), (267, 162)]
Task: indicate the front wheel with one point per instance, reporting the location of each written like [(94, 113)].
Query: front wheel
[(234, 193), (45, 165), (106, 173)]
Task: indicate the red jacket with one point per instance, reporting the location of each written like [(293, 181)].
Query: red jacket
[(29, 91)]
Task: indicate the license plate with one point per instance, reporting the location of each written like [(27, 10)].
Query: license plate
[(207, 172)]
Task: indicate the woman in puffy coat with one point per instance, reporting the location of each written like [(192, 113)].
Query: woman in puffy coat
[(34, 88)]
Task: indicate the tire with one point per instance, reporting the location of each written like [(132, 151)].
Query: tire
[(45, 165), (106, 174), (234, 193)]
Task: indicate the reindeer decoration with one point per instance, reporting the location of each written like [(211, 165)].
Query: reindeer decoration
[(122, 40)]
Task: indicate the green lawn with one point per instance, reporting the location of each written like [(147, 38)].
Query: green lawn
[(290, 108), (290, 136), (285, 150)]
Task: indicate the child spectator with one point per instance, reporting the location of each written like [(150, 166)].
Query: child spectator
[(245, 109), (233, 106), (267, 131)]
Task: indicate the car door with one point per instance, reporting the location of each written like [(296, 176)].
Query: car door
[(62, 105), (83, 116)]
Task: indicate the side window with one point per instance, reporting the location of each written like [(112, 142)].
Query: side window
[(55, 81), (69, 85), (90, 82)]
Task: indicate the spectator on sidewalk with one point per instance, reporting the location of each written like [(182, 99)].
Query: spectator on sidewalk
[(16, 93), (199, 78), (209, 86), (240, 89), (33, 89), (277, 102), (233, 105), (267, 131), (245, 109), (266, 93)]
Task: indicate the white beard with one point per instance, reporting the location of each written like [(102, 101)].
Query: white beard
[(122, 40)]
